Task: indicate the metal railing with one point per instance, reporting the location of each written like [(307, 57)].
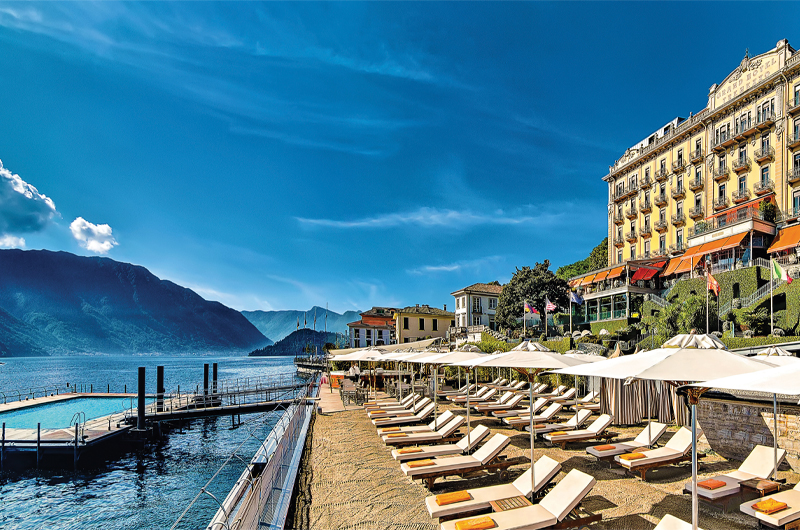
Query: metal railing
[(721, 172), (678, 165), (645, 183), (764, 186), (793, 175), (766, 118), (678, 191), (661, 174), (720, 202), (658, 300), (696, 212), (697, 154), (793, 138), (678, 219), (741, 164), (764, 153), (753, 298), (660, 199), (660, 225), (645, 206), (741, 194), (696, 184)]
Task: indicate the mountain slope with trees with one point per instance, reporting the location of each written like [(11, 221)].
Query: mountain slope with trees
[(279, 324), (597, 259)]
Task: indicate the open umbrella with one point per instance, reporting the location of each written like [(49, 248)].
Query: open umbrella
[(529, 345), (529, 364), (683, 358)]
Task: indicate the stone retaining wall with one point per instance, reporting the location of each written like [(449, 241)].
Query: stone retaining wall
[(733, 428)]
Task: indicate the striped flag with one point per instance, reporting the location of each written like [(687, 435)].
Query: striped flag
[(778, 273), (549, 306), (713, 284), (528, 308)]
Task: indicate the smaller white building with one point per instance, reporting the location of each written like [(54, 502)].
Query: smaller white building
[(476, 305)]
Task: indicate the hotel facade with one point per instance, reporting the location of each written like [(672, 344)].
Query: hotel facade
[(719, 189)]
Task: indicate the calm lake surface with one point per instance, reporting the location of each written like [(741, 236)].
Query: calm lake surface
[(141, 489)]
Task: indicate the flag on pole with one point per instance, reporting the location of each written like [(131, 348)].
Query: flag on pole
[(778, 273), (528, 308), (575, 298), (298, 323), (549, 306), (305, 320), (712, 284)]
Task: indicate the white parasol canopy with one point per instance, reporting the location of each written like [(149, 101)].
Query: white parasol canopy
[(529, 345), (775, 351)]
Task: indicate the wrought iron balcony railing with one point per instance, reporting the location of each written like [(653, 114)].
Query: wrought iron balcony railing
[(764, 153), (765, 186)]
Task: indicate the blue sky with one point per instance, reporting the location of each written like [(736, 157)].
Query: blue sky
[(281, 155)]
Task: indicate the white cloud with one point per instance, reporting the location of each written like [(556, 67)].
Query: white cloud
[(474, 265), (22, 208), (92, 237), (432, 217), (7, 241)]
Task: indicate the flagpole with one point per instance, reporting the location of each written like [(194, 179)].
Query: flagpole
[(708, 284), (570, 314), (524, 333), (771, 283), (545, 321)]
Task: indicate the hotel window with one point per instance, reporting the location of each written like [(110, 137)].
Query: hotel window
[(422, 324), (476, 304), (356, 333), (435, 323), (796, 203), (742, 184), (698, 174), (663, 164), (647, 248), (698, 200), (796, 164), (663, 189), (765, 141), (679, 237), (662, 214), (680, 182), (369, 337), (633, 181), (405, 322), (698, 145), (796, 100), (647, 222), (646, 173), (647, 197), (797, 128), (742, 154), (722, 161), (764, 175), (476, 320), (680, 208), (722, 191), (619, 233), (619, 257), (633, 251), (680, 157), (619, 211), (492, 303), (662, 243)]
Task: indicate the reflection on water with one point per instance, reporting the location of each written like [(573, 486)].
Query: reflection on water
[(144, 488)]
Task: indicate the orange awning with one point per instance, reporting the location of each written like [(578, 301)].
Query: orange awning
[(673, 264), (734, 241), (601, 276), (787, 238), (616, 272), (689, 259), (587, 280)]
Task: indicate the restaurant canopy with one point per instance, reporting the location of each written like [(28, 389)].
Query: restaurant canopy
[(786, 239), (417, 345)]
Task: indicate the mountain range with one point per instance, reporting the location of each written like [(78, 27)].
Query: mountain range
[(279, 324), (301, 341), (57, 302)]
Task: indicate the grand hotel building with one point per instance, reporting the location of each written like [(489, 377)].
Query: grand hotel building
[(690, 194)]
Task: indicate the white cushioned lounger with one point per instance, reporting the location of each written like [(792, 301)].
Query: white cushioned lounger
[(405, 402), (656, 431), (670, 522), (389, 412), (546, 468), (548, 414), (443, 418), (401, 420), (778, 519), (760, 463), (597, 427), (575, 422), (676, 447), (464, 445), (425, 437), (480, 458)]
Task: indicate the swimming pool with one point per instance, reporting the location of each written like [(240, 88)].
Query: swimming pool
[(58, 415)]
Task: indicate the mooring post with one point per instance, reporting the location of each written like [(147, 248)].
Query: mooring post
[(159, 389), (126, 388), (214, 378), (205, 379), (91, 388), (75, 449), (108, 388), (38, 443), (140, 408), (3, 449)]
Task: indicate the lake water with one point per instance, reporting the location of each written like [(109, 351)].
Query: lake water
[(142, 489)]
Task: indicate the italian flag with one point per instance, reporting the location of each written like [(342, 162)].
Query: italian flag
[(780, 274)]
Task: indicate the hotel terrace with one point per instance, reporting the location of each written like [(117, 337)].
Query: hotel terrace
[(693, 194)]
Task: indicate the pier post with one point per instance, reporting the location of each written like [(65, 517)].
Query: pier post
[(38, 443), (205, 379), (140, 408), (3, 449), (214, 378), (75, 449), (159, 389)]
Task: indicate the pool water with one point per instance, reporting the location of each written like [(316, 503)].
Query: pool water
[(59, 415)]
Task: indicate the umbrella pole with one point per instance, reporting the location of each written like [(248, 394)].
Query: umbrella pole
[(468, 427), (695, 514), (533, 435), (435, 396), (649, 418), (775, 435)]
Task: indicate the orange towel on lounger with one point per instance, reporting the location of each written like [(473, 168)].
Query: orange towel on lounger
[(479, 523), (769, 506), (390, 429), (409, 451), (396, 435), (379, 411), (608, 447), (711, 484), (631, 456), (513, 418), (421, 463), (558, 433), (455, 496)]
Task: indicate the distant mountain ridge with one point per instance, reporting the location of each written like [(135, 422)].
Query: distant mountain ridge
[(297, 343), (57, 302), (279, 324)]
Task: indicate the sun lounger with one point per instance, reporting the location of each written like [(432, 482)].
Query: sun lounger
[(780, 518), (574, 423), (569, 395), (510, 403), (546, 468), (676, 450), (488, 397), (480, 391), (559, 508), (397, 406), (486, 458), (440, 420), (670, 522), (443, 434), (461, 391), (645, 438), (518, 422), (419, 417), (759, 464), (554, 393), (595, 431), (497, 383), (537, 406), (484, 394), (463, 446), (390, 412), (502, 399), (405, 402)]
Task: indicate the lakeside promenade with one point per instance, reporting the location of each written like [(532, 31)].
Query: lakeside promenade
[(348, 479)]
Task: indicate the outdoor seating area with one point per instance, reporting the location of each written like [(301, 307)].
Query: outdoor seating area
[(466, 460)]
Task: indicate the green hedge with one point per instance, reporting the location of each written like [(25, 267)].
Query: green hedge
[(749, 280), (756, 342), (561, 346), (787, 319), (611, 325)]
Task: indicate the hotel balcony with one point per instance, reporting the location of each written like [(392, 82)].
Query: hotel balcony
[(645, 231), (767, 121), (618, 194), (794, 105), (645, 183), (660, 226), (696, 155), (645, 207), (678, 219), (788, 216), (764, 154), (658, 253), (793, 176), (660, 199), (661, 175), (741, 165), (741, 195), (746, 130), (696, 184), (717, 146), (631, 213), (679, 165), (766, 186), (793, 139), (697, 213), (677, 248), (631, 236), (720, 203), (619, 218), (619, 242), (678, 192), (721, 173)]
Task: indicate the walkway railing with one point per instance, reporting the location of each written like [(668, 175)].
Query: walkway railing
[(753, 298)]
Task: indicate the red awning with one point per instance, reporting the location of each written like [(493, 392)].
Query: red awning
[(638, 275), (649, 273)]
